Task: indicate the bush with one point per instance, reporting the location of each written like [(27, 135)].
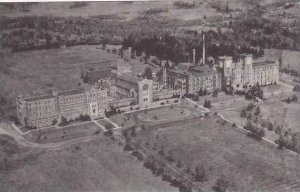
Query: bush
[(233, 125), (128, 147), (250, 107), (54, 121), (221, 185), (207, 104), (162, 103), (200, 174), (109, 133), (138, 155)]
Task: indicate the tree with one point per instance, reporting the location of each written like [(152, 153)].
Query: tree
[(133, 132), (257, 112), (170, 156), (162, 151), (148, 73), (250, 107), (207, 104), (64, 121), (294, 98), (215, 93), (243, 113), (54, 121), (200, 174), (270, 127), (221, 185)]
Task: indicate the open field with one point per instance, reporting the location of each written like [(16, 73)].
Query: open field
[(54, 134), (122, 10), (122, 120), (164, 114), (272, 110), (251, 165), (35, 72), (283, 113), (98, 165)]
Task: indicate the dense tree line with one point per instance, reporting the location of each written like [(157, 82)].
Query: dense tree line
[(27, 33), (147, 34)]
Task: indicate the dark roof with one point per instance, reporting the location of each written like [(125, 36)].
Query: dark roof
[(262, 63), (95, 76), (37, 98)]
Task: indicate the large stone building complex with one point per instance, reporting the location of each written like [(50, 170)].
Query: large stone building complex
[(245, 72), (45, 110), (238, 74)]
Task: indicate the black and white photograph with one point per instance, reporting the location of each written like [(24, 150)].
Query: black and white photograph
[(150, 96)]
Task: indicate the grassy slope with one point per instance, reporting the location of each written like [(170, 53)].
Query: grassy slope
[(98, 166), (252, 166)]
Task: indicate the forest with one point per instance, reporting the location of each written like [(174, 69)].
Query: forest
[(153, 35)]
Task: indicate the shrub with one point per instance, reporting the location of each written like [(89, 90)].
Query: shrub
[(243, 113), (233, 125), (162, 103), (54, 121), (270, 127), (221, 184), (200, 174), (128, 147), (138, 155), (109, 133), (97, 132), (250, 107)]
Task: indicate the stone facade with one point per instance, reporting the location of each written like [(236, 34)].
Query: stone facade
[(44, 110), (239, 74), (245, 72), (203, 77), (145, 92)]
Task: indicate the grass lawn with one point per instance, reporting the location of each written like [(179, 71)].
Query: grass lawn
[(251, 165), (166, 114), (100, 165), (53, 134), (105, 123), (123, 120), (36, 72)]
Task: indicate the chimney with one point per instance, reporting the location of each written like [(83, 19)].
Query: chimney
[(203, 51), (194, 56)]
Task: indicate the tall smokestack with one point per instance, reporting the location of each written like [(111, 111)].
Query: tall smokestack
[(194, 56), (203, 51)]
